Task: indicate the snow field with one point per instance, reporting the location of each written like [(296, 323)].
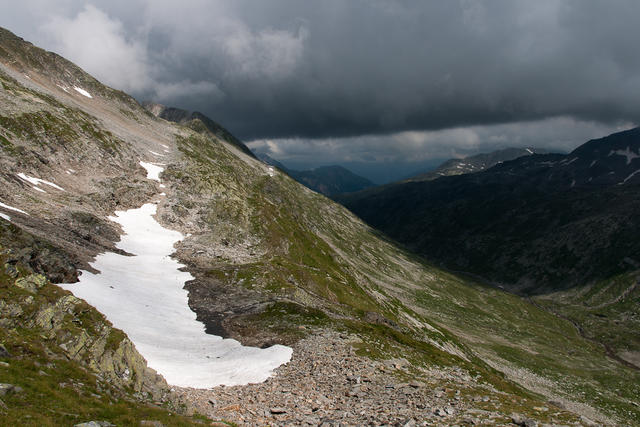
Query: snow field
[(143, 295)]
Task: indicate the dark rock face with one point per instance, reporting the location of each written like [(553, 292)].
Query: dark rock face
[(534, 224), (196, 121)]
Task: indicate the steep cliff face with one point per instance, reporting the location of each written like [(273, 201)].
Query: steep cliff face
[(71, 325)]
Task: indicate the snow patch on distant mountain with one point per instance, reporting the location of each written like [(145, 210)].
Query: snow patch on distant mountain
[(82, 92), (38, 181), (628, 153), (11, 208), (630, 176), (3, 216)]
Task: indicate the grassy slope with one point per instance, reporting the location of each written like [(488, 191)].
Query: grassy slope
[(327, 268)]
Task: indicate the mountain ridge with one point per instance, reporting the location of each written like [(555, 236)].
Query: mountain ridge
[(329, 180), (475, 163)]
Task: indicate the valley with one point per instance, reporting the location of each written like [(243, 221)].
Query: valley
[(375, 333)]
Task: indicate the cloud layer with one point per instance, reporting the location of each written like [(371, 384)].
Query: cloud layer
[(286, 69)]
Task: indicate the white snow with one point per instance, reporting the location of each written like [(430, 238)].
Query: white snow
[(39, 189), (166, 151), (82, 92), (529, 150), (143, 295), (7, 217), (630, 176), (63, 88), (11, 208), (566, 162), (38, 181), (153, 171), (155, 154), (270, 171), (630, 155)]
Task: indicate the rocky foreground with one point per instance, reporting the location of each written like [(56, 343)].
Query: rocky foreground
[(328, 384)]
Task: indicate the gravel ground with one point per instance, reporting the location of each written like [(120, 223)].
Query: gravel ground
[(326, 383)]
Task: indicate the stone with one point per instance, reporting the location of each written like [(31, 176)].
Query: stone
[(151, 423), (519, 420), (277, 410), (4, 352), (440, 412), (6, 389), (95, 424), (587, 422), (31, 283)]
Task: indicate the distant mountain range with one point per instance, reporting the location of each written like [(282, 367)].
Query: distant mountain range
[(537, 223), (476, 163), (328, 180)]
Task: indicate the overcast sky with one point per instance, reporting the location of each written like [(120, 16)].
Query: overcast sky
[(363, 81)]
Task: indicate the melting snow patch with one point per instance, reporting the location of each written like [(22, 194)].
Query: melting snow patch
[(630, 155), (270, 171), (11, 208), (39, 189), (63, 88), (529, 150), (155, 154), (5, 217), (82, 92), (153, 171), (38, 181), (143, 295), (162, 186)]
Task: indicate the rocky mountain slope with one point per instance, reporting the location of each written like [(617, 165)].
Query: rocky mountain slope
[(378, 336), (534, 224), (475, 163), (196, 121)]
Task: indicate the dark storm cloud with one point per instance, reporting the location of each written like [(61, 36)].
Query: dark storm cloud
[(279, 69)]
